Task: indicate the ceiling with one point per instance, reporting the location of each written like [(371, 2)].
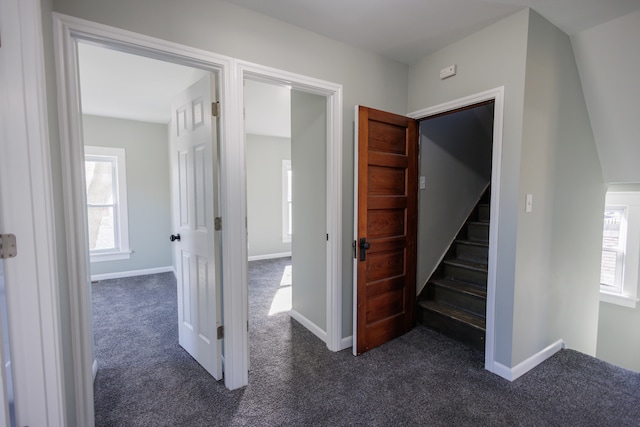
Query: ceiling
[(121, 85), (125, 86), (407, 30)]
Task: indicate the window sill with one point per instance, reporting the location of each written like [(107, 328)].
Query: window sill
[(618, 299), (110, 256)]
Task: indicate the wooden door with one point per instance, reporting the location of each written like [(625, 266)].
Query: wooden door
[(386, 229), (194, 165)]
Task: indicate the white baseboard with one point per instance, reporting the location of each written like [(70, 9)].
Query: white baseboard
[(131, 273), (269, 256), (346, 342), (309, 325), (94, 368), (525, 366)]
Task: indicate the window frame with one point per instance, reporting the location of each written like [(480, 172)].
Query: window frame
[(287, 201), (627, 262), (117, 157)]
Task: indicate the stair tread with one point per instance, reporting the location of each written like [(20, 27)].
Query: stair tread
[(461, 287), (479, 222), (471, 265), (480, 243), (454, 313)]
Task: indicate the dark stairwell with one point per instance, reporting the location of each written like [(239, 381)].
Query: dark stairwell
[(454, 300)]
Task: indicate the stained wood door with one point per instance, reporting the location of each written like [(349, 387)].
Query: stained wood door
[(386, 229), (194, 165)]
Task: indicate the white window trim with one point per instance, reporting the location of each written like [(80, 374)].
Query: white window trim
[(286, 167), (628, 296), (121, 211)]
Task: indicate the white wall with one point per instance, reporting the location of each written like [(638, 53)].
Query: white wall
[(490, 58), (227, 29), (148, 189), (609, 62), (264, 193), (455, 159), (309, 244), (559, 242)]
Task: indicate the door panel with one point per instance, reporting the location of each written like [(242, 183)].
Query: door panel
[(194, 157), (387, 192)]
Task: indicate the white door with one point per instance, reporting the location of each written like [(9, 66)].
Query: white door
[(195, 201), (6, 388)]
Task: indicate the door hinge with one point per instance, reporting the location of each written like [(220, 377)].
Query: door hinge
[(354, 245), (215, 109), (217, 223), (327, 237), (220, 332), (8, 248)]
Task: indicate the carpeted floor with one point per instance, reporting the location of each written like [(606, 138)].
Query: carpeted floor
[(421, 378)]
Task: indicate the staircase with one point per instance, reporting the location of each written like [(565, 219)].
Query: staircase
[(455, 298)]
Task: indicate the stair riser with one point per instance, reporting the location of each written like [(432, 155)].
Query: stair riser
[(478, 232), (470, 303), (453, 328), (472, 253), (483, 213), (465, 275)]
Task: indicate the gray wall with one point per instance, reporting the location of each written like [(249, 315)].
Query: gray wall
[(309, 244), (612, 101), (455, 159), (559, 243), (224, 28), (547, 266), (148, 189), (619, 335), (264, 193), (490, 58), (609, 64)]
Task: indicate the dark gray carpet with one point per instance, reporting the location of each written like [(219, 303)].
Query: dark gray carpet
[(422, 378)]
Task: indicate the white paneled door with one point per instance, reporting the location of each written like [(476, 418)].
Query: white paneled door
[(196, 242)]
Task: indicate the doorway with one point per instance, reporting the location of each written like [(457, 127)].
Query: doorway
[(69, 31), (286, 193), (496, 96), (267, 123), (131, 190)]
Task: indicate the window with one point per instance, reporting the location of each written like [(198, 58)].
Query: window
[(287, 227), (106, 191), (620, 249), (613, 244)]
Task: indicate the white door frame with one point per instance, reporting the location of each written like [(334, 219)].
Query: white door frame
[(67, 31), (27, 210), (496, 94)]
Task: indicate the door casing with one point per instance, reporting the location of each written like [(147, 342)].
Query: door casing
[(67, 32), (496, 94)]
